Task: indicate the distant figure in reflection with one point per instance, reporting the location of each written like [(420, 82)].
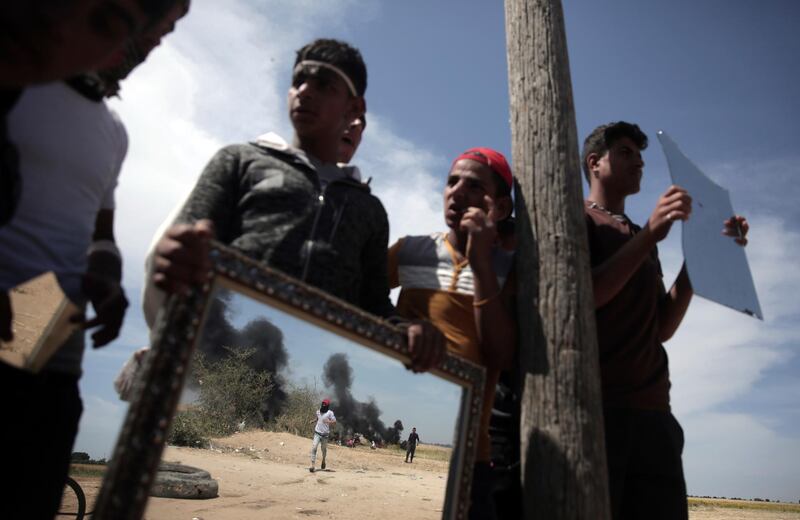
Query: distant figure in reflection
[(635, 314), (411, 445), (461, 281), (322, 431)]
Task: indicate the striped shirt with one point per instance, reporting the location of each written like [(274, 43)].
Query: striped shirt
[(437, 286)]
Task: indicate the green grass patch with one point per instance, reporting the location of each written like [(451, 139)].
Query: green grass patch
[(782, 507)]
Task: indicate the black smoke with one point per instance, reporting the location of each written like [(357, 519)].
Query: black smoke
[(270, 356), (355, 416)]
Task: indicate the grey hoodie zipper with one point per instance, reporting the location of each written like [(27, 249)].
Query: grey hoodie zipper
[(308, 245)]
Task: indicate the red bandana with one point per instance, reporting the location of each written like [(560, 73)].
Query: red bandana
[(491, 158)]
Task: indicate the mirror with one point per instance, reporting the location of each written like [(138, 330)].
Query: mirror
[(257, 383), (716, 264), (269, 349)]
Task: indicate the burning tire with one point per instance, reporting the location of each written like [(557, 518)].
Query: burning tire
[(179, 481)]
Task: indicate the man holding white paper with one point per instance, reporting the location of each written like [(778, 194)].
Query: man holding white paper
[(635, 314)]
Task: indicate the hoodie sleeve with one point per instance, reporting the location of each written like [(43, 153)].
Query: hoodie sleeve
[(216, 194), (375, 281), (213, 197)]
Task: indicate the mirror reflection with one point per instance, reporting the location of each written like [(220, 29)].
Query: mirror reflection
[(249, 413), (717, 266)]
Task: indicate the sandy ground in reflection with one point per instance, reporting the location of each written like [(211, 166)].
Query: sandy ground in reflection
[(268, 477)]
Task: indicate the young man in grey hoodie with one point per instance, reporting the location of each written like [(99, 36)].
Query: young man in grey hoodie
[(292, 207)]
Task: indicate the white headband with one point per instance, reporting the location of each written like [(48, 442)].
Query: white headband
[(337, 70)]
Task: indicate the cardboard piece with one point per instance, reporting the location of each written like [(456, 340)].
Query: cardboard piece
[(41, 314)]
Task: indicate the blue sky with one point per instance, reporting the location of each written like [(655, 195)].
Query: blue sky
[(720, 77)]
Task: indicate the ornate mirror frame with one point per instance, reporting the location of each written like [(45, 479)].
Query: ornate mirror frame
[(139, 448)]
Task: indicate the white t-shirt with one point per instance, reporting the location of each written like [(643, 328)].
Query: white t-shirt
[(323, 427), (70, 153)]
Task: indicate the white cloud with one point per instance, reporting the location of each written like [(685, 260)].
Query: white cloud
[(408, 179), (719, 357), (718, 354), (166, 153)]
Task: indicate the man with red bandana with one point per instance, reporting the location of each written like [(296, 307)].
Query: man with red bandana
[(459, 280)]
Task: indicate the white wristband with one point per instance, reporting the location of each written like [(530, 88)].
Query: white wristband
[(105, 246)]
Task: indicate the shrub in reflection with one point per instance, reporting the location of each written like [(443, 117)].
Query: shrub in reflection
[(230, 397)]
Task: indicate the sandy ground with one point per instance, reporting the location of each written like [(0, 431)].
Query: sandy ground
[(718, 513), (265, 475)]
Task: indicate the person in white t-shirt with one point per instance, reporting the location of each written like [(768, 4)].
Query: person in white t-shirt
[(322, 431), (71, 148)]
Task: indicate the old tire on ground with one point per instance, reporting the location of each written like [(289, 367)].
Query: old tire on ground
[(179, 481)]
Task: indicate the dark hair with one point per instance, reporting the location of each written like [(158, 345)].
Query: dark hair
[(501, 187), (339, 54), (155, 9), (604, 136)]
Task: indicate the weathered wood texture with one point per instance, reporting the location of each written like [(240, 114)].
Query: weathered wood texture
[(562, 447)]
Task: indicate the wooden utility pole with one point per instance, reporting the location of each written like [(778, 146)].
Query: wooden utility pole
[(561, 431)]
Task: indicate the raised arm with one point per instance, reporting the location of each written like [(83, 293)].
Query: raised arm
[(102, 282), (492, 306), (610, 277)]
